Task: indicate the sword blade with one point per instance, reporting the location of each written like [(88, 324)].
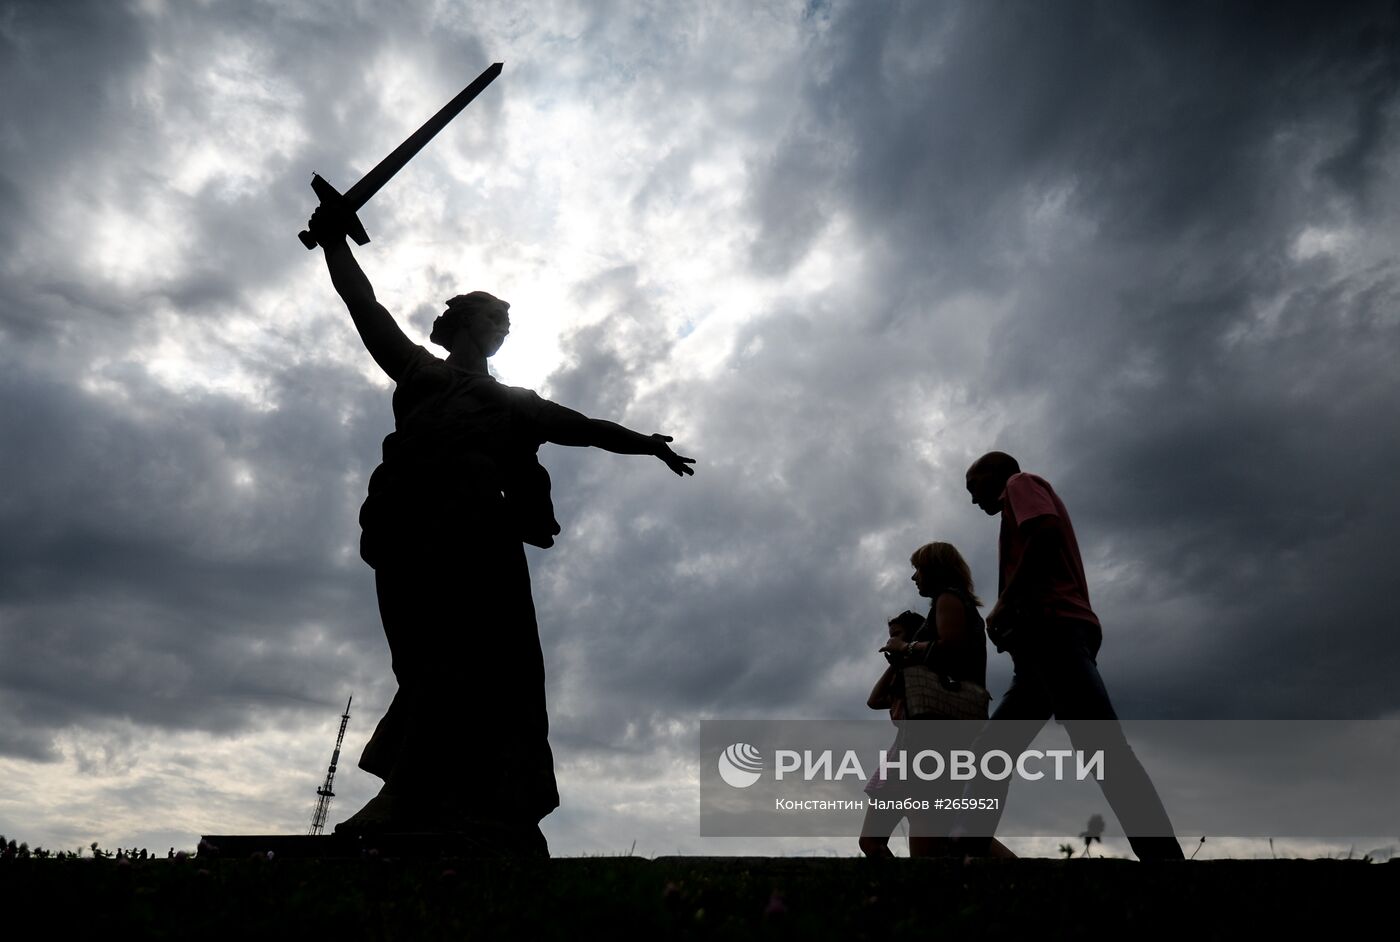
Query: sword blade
[(359, 194)]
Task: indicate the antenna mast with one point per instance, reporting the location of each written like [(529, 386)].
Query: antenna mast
[(323, 804)]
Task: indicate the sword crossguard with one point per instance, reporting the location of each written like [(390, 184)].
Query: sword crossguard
[(335, 207)]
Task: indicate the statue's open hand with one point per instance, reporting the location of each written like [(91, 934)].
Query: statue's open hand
[(677, 463)]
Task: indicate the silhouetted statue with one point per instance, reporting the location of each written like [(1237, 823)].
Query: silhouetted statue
[(1042, 617), (463, 747)]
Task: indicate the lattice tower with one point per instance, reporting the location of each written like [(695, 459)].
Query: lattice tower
[(323, 803)]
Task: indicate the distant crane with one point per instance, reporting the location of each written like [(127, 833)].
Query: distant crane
[(323, 804)]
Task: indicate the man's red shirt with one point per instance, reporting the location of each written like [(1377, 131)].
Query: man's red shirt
[(1061, 590)]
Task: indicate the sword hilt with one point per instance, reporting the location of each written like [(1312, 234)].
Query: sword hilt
[(337, 209)]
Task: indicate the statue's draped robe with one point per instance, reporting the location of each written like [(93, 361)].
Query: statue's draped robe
[(465, 739)]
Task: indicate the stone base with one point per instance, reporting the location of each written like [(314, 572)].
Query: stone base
[(341, 844)]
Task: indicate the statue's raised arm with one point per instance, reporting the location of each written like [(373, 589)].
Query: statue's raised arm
[(381, 334), (336, 217)]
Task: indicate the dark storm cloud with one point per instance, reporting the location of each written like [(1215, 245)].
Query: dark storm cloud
[(1233, 457), (62, 63), (181, 562)]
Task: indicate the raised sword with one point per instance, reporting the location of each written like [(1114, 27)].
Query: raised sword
[(345, 205)]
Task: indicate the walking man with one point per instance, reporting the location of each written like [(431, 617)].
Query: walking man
[(1043, 619)]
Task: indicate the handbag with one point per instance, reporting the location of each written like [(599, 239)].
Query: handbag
[(929, 695)]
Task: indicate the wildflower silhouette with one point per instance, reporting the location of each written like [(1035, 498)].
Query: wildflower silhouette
[(1093, 831)]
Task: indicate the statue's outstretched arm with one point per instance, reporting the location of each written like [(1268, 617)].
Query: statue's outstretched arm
[(564, 426), (382, 337)]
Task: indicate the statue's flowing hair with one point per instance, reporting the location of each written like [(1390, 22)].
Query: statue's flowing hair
[(458, 310), (945, 562)]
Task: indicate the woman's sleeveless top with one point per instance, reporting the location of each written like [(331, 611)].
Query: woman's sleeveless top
[(966, 660)]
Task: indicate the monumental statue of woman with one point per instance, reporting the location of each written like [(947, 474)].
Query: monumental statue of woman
[(463, 749)]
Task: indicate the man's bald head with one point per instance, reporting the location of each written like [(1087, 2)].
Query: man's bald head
[(995, 462), (986, 479)]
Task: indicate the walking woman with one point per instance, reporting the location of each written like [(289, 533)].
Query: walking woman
[(953, 644)]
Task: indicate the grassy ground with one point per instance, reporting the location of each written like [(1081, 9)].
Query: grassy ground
[(693, 897)]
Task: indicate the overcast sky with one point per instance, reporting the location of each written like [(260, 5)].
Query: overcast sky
[(837, 250)]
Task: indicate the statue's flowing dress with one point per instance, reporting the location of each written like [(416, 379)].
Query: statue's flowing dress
[(465, 740)]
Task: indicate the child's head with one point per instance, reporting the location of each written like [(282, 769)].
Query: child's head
[(905, 625)]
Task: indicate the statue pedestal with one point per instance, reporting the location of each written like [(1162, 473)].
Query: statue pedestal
[(428, 845)]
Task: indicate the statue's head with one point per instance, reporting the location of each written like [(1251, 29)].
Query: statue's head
[(484, 315)]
